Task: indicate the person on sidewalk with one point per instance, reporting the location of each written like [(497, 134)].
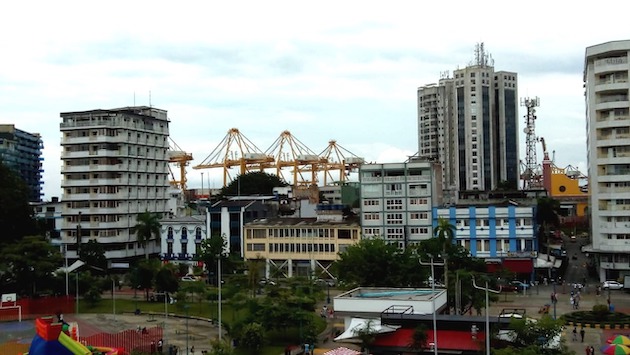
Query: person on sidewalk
[(575, 333), (582, 332)]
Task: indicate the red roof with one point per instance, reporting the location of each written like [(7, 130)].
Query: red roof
[(447, 339)]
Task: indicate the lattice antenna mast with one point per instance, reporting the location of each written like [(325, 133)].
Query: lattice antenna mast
[(530, 141)]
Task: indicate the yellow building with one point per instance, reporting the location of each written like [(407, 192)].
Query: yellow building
[(301, 246), (564, 186)]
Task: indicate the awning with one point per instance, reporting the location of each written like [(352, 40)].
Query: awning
[(459, 340), (519, 266), (357, 324)]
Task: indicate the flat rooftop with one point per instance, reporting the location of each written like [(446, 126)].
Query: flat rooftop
[(394, 294)]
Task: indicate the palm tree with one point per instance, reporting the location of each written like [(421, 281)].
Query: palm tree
[(445, 232), (147, 227), (367, 335), (419, 339)]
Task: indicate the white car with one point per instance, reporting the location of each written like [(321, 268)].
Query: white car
[(189, 278), (612, 285)]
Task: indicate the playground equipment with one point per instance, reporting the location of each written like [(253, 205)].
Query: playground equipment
[(62, 339)]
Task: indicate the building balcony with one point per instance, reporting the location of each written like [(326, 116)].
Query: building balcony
[(607, 65)]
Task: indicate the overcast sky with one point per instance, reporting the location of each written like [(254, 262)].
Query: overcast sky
[(343, 70)]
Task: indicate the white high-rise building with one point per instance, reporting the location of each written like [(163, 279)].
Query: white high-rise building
[(469, 123), (115, 166), (606, 69)]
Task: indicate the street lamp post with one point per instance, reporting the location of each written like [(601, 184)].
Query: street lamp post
[(113, 299), (219, 296), (76, 300), (432, 263), (487, 289), (187, 336)]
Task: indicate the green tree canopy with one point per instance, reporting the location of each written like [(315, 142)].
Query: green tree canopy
[(27, 263), (374, 262), (16, 215), (212, 249), (166, 279), (93, 254), (253, 183), (147, 228), (253, 337)]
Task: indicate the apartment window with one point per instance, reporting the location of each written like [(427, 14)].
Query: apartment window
[(394, 204), (169, 233), (371, 216), (169, 248), (184, 233), (371, 202)]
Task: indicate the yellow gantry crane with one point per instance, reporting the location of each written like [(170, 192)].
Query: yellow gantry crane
[(180, 158), (338, 159), (235, 150), (288, 151)]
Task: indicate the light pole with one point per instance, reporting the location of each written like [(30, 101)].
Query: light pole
[(187, 336), (487, 312), (76, 300), (113, 299), (219, 287), (65, 254), (432, 263)]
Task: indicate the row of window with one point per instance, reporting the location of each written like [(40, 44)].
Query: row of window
[(299, 248), (183, 249), (184, 233), (263, 233)]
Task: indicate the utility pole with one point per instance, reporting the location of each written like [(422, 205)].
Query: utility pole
[(487, 289), (432, 264)]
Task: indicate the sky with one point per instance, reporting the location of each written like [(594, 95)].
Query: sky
[(342, 70)]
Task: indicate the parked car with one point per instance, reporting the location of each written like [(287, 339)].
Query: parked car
[(189, 278), (265, 282), (520, 285), (507, 287), (612, 285)]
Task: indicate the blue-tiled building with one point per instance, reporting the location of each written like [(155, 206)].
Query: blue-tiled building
[(502, 234)]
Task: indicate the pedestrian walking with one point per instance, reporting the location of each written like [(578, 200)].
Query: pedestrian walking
[(575, 333), (160, 346), (592, 350), (582, 332), (587, 350)]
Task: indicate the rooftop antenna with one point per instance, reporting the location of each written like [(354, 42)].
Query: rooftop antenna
[(149, 98), (530, 141)]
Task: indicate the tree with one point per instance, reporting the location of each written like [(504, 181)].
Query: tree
[(16, 215), (419, 338), (166, 280), (367, 335), (220, 347), (147, 227), (253, 337), (93, 254), (212, 250), (543, 331), (145, 275), (253, 183), (445, 232), (27, 263)]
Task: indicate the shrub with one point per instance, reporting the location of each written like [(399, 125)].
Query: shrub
[(600, 311)]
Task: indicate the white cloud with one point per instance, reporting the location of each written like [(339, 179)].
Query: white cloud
[(347, 70)]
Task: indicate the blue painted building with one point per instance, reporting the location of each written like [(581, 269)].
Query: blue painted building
[(504, 235)]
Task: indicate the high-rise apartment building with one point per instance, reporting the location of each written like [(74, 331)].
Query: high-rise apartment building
[(115, 166), (469, 123), (22, 152), (606, 69)]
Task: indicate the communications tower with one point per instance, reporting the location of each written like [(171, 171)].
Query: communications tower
[(530, 175)]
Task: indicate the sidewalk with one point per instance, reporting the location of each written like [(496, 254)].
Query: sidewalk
[(541, 295)]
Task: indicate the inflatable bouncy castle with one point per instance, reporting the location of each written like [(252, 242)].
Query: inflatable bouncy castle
[(54, 338)]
